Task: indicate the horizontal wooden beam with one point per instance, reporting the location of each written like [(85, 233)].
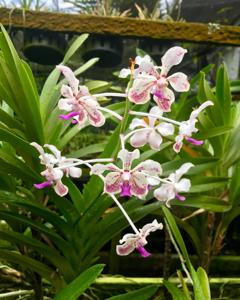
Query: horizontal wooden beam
[(127, 27)]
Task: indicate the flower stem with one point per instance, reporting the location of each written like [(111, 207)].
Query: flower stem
[(125, 214), (138, 113), (113, 113), (84, 162)]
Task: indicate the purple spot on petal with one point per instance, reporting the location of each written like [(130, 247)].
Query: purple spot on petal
[(194, 141), (143, 252), (125, 190), (43, 184), (179, 197), (69, 116)]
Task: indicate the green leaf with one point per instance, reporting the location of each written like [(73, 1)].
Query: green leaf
[(206, 202), (145, 293), (174, 291), (204, 281), (34, 265), (74, 47), (80, 284), (51, 254), (212, 132)]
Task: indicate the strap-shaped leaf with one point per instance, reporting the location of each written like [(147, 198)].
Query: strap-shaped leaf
[(145, 293), (80, 284)]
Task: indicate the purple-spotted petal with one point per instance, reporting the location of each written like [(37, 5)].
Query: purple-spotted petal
[(60, 188), (171, 58), (125, 249), (139, 93), (70, 77), (179, 82), (113, 183), (127, 157), (164, 99)]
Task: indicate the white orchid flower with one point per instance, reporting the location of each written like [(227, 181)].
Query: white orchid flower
[(56, 167), (147, 80), (174, 185), (137, 241), (80, 104), (125, 180), (187, 128), (149, 130)]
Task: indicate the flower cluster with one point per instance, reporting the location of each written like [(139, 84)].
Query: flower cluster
[(128, 175)]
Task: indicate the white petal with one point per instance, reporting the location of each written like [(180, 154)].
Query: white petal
[(139, 184), (197, 111), (127, 157), (65, 104), (137, 123), (154, 111), (54, 150), (165, 129), (139, 59), (66, 91), (165, 192), (179, 82), (139, 139), (75, 172), (149, 167), (183, 185), (98, 169), (70, 77), (151, 227), (124, 73), (154, 140), (182, 170), (187, 128), (39, 148), (171, 58)]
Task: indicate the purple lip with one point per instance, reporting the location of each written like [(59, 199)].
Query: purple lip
[(125, 190), (42, 185), (194, 141), (143, 252), (69, 116)]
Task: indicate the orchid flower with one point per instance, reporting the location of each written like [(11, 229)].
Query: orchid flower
[(125, 180), (173, 185), (187, 128), (56, 167), (137, 241), (149, 80), (150, 130), (80, 104)]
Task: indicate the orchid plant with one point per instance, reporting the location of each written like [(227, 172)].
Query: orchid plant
[(128, 181), (161, 153)]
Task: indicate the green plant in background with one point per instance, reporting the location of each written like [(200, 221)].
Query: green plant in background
[(58, 238)]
